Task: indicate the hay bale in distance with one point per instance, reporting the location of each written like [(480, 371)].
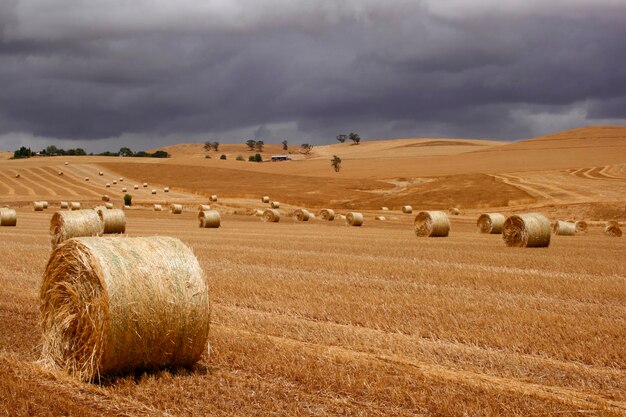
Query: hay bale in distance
[(45, 204), (564, 228), (60, 173), (108, 205), (257, 212), (166, 189), (68, 224), (354, 218), (101, 173), (407, 209), (529, 230), (108, 185), (121, 179), (17, 175), (301, 215), (204, 207), (491, 223), (612, 229), (136, 187), (214, 197), (8, 217), (209, 219), (64, 205), (432, 224), (581, 226), (455, 211), (265, 199), (275, 204), (153, 191), (271, 216), (157, 207), (114, 182), (384, 208), (327, 214), (86, 178), (67, 163), (75, 205), (106, 198), (177, 208), (112, 305), (145, 185), (38, 206), (124, 189), (113, 220), (381, 218)]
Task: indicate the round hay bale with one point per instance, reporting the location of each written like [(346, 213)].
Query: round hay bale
[(529, 230), (612, 229), (432, 224), (64, 204), (384, 208), (136, 187), (111, 305), (491, 223), (153, 191), (8, 217), (214, 197), (113, 220), (114, 182), (209, 219), (86, 178), (275, 204), (301, 215), (107, 185), (381, 218), (68, 224), (166, 189), (271, 216), (204, 207), (75, 205), (265, 199), (455, 211), (581, 226), (17, 175), (101, 173), (108, 205), (177, 208), (121, 179), (612, 223), (38, 206), (257, 212), (124, 189), (145, 185), (562, 228), (407, 209), (45, 204), (157, 207), (341, 217), (60, 173), (354, 218), (67, 163), (106, 198), (327, 214)]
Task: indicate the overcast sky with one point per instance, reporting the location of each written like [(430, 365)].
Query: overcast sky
[(145, 73)]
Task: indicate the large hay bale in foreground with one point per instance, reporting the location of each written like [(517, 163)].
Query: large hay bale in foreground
[(562, 228), (301, 215), (68, 224), (407, 209), (38, 206), (612, 229), (271, 216), (491, 223), (112, 305), (327, 214), (354, 218), (529, 230), (432, 224), (8, 217), (581, 226), (275, 204), (265, 199), (113, 220), (75, 205), (209, 219), (214, 197), (177, 208)]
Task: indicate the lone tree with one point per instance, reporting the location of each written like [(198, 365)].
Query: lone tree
[(251, 144), (215, 146), (342, 138), (285, 147), (125, 152), (208, 145), (336, 163), (259, 145), (306, 148), (354, 137)]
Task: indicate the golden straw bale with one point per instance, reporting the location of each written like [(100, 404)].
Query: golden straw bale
[(275, 204), (86, 178), (354, 218), (45, 204), (114, 182), (384, 208), (107, 185), (204, 207), (581, 226), (101, 173), (257, 212), (17, 175), (64, 204), (327, 214), (8, 217), (68, 224), (38, 206), (67, 163), (612, 229), (157, 207), (301, 215), (166, 189), (177, 208), (432, 224), (381, 218), (136, 187), (491, 223), (209, 219), (612, 223), (111, 305), (145, 185), (60, 173), (124, 189), (271, 216), (407, 209), (106, 198), (154, 191), (214, 197), (75, 205), (529, 230), (564, 228), (108, 205), (455, 211), (113, 220), (121, 179), (265, 199)]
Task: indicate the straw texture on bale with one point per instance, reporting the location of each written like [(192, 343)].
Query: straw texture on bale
[(204, 207), (45, 204), (209, 219), (381, 218), (432, 224), (491, 223), (154, 191), (612, 229), (177, 208), (562, 228), (106, 198), (271, 216), (68, 224), (75, 205), (581, 226), (8, 217), (111, 305), (275, 204), (214, 197), (301, 215), (455, 211), (38, 206), (529, 230), (113, 220), (265, 199), (64, 204), (166, 189), (354, 218), (407, 209), (327, 214), (157, 207), (108, 205)]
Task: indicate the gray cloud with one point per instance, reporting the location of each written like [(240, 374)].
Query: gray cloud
[(151, 72)]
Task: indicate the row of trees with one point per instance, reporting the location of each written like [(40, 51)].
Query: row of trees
[(25, 152), (354, 137)]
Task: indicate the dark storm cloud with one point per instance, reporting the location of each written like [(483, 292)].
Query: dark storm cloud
[(92, 70)]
